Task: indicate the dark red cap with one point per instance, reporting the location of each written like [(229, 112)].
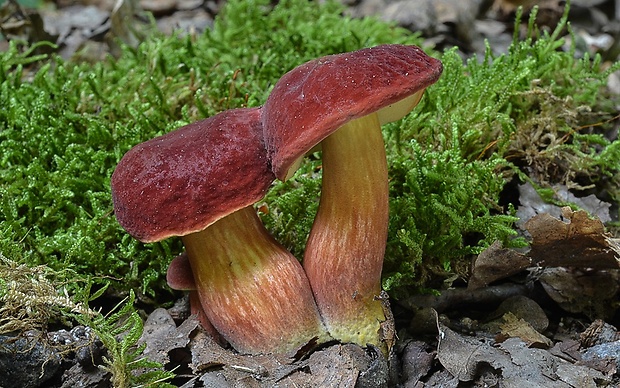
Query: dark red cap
[(184, 181), (313, 100)]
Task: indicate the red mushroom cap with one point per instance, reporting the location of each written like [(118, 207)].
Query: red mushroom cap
[(316, 98), (183, 181)]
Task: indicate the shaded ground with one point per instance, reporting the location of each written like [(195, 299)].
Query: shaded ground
[(524, 319)]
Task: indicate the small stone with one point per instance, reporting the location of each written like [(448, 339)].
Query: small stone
[(26, 361), (415, 16)]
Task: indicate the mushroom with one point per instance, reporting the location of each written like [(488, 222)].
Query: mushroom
[(341, 101), (200, 182)]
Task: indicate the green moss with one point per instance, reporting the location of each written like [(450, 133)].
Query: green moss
[(65, 125), (443, 209)]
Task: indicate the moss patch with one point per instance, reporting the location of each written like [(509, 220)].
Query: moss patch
[(65, 125)]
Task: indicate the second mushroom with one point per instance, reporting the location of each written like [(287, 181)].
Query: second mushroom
[(340, 102)]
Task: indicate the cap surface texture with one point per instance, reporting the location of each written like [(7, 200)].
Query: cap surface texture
[(185, 180), (314, 99)]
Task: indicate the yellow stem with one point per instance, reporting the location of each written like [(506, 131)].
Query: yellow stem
[(345, 250)]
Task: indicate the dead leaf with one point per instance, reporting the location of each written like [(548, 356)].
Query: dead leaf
[(589, 203), (76, 26), (521, 307), (161, 335), (599, 332), (338, 365), (464, 356), (518, 327), (582, 376), (604, 357), (517, 364), (567, 350), (495, 263), (417, 361), (601, 344), (533, 204), (578, 242), (532, 367)]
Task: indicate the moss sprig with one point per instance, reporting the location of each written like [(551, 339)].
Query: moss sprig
[(33, 297), (120, 331), (443, 208)]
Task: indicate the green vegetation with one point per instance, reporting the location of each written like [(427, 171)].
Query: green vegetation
[(538, 111), (120, 331), (36, 297), (64, 126), (460, 214)]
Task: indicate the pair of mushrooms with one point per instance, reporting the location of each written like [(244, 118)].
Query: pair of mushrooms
[(200, 182)]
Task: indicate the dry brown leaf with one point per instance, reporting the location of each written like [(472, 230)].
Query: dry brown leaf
[(592, 293), (521, 307), (417, 361), (518, 327), (580, 242), (462, 356), (567, 350), (161, 335), (518, 365), (599, 332), (338, 365)]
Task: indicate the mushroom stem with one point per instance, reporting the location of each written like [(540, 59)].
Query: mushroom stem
[(252, 290), (180, 277), (346, 246), (195, 308)]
